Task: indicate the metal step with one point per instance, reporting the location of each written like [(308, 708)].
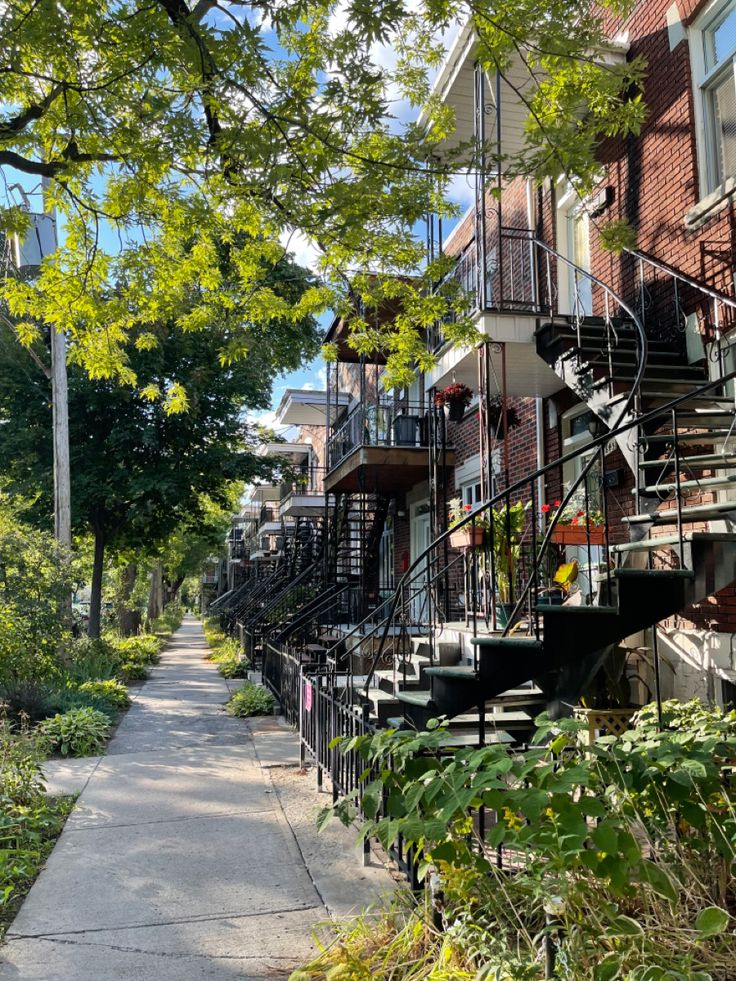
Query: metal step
[(710, 436), (699, 512), (706, 483), (667, 541), (705, 461)]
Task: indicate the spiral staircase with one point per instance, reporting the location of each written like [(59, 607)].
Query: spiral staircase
[(676, 431)]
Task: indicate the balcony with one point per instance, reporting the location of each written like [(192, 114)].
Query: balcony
[(304, 496), (382, 448), (269, 521), (507, 279)]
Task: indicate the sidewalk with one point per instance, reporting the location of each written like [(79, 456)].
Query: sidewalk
[(180, 860)]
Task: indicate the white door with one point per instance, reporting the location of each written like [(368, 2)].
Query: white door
[(578, 237), (421, 539), (576, 435)]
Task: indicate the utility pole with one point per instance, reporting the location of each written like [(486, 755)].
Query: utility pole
[(59, 394), (60, 421)]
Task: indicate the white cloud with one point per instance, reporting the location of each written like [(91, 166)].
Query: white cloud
[(306, 253)]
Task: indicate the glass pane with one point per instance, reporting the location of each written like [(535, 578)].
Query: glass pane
[(724, 37), (724, 101)]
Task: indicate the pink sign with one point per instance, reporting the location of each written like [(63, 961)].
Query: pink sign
[(308, 696)]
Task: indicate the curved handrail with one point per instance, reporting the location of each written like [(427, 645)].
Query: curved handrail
[(470, 518), (673, 271), (642, 342)]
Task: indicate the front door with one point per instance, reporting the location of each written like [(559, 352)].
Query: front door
[(421, 539), (576, 435)]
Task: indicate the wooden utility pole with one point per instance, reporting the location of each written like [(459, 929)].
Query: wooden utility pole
[(60, 407), (60, 415)]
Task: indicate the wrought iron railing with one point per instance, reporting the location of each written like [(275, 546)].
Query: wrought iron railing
[(514, 563), (403, 424)]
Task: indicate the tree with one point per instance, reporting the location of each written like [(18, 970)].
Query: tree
[(35, 577), (166, 126), (138, 472)]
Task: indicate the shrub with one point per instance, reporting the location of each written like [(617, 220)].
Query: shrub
[(234, 667), (110, 691), (91, 659), (623, 850), (144, 649), (30, 821), (132, 671), (79, 732), (249, 700), (170, 619)]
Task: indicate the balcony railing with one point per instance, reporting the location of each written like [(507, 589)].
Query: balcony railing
[(268, 513), (379, 425), (303, 484)]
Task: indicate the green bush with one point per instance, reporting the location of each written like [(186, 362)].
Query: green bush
[(626, 847), (249, 700), (79, 732), (144, 648), (132, 671), (110, 691), (170, 619), (234, 667), (35, 579), (91, 660), (29, 821)]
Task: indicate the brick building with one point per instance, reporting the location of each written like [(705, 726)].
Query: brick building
[(618, 371)]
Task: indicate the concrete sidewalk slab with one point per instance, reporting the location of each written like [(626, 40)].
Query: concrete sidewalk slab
[(184, 858), (64, 777)]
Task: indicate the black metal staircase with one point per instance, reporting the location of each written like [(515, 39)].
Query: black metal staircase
[(676, 431)]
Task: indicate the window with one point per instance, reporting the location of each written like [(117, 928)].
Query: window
[(713, 52)]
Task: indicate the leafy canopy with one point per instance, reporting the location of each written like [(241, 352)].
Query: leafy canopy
[(164, 127)]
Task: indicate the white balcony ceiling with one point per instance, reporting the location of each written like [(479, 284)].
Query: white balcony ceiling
[(266, 492), (306, 407), (526, 373), (291, 451), (511, 91)]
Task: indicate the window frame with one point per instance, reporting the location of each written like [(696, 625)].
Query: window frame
[(704, 81)]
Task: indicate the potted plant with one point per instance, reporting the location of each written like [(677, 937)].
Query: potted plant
[(471, 535), (509, 524), (455, 399), (495, 416), (576, 525)]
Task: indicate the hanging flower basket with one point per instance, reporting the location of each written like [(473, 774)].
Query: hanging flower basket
[(455, 399), (455, 410), (467, 537), (578, 535)]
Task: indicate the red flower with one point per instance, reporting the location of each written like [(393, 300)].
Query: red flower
[(545, 508), (581, 513), (574, 521), (468, 507), (557, 503)]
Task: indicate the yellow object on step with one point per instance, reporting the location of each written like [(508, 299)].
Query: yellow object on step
[(566, 575)]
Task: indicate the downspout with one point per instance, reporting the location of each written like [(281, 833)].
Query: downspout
[(531, 212)]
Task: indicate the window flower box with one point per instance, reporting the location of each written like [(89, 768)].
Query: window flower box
[(468, 537), (579, 535)]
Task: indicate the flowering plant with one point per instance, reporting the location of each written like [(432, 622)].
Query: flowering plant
[(458, 511), (574, 513), (454, 393)]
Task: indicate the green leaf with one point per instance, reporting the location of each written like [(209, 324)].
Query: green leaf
[(712, 921), (625, 926), (608, 968), (660, 881)]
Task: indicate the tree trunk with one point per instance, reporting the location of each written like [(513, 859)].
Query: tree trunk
[(155, 595), (129, 618), (95, 600)]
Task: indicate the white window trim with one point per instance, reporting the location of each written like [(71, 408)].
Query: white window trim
[(712, 199)]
